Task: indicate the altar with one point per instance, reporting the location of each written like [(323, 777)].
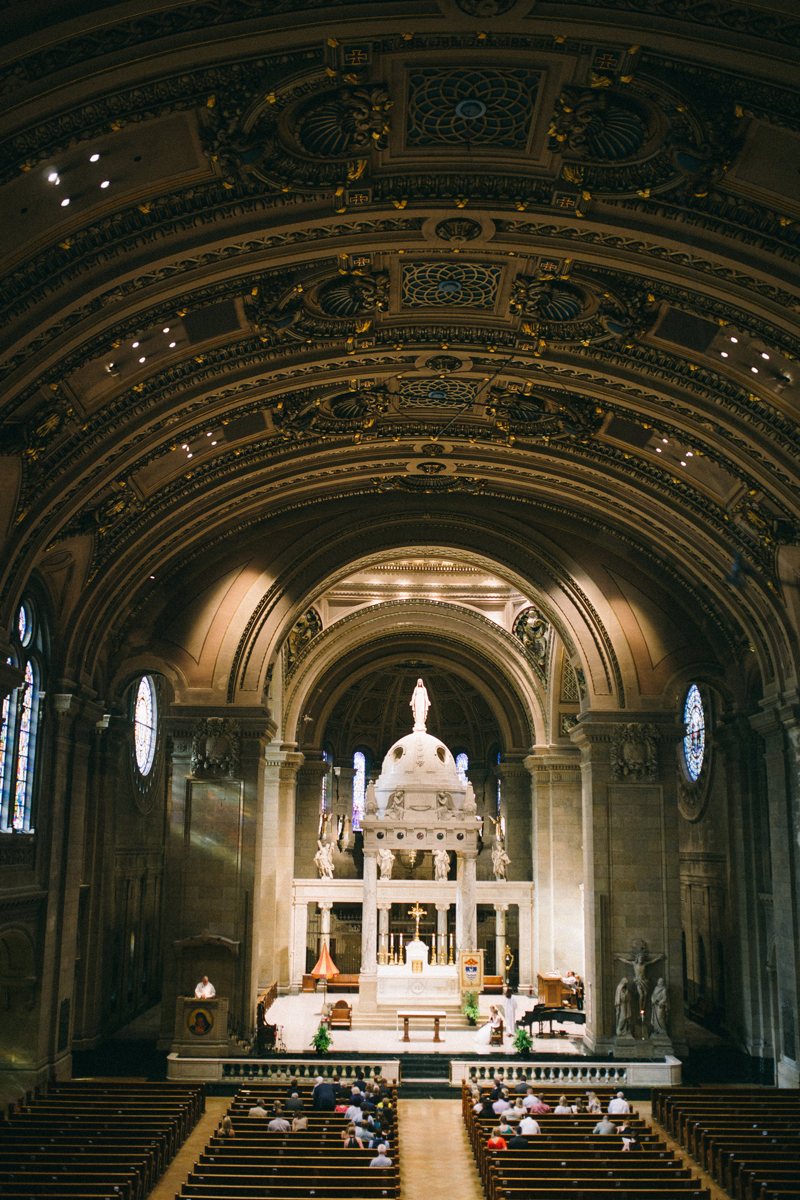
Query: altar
[(417, 981)]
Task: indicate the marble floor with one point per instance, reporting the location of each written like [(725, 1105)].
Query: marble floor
[(299, 1018)]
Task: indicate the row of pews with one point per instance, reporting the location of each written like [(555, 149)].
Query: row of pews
[(99, 1141), (259, 1163), (747, 1139), (566, 1160)]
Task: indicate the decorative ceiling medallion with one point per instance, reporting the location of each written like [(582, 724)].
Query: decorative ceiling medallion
[(437, 393), (458, 230), (443, 362), (465, 285), (444, 107), (347, 121), (485, 8)]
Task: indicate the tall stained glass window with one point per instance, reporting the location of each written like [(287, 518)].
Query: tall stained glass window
[(144, 725), (694, 742), (19, 722), (462, 766), (359, 787)]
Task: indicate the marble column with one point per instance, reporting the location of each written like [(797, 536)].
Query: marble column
[(299, 942), (466, 902), (275, 861), (369, 914), (325, 907), (500, 911), (383, 931), (442, 911)]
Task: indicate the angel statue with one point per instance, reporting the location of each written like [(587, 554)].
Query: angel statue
[(500, 860), (441, 863), (323, 859)]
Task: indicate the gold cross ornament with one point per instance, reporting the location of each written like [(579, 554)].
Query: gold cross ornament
[(416, 912)]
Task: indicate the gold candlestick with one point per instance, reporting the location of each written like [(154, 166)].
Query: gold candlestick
[(451, 960)]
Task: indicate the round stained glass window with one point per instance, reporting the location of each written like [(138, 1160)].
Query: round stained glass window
[(694, 742), (144, 725), (24, 624)]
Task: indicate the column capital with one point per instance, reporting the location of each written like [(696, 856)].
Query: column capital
[(500, 907), (325, 905), (442, 907), (384, 905)]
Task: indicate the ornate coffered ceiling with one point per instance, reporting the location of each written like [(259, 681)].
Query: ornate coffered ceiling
[(534, 254)]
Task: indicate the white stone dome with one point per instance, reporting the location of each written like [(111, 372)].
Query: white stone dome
[(421, 766)]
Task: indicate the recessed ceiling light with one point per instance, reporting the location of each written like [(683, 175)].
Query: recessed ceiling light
[(52, 177), (683, 464), (185, 446), (665, 441), (134, 345), (165, 329), (188, 456), (172, 345), (213, 443), (735, 340), (764, 355), (152, 576), (754, 370), (106, 183), (690, 454), (94, 158), (142, 358), (724, 353), (658, 449), (208, 435), (65, 202)]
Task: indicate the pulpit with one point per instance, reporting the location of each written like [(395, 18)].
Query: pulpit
[(549, 987), (201, 1027)]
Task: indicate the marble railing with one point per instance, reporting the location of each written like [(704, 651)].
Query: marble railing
[(278, 1070), (644, 1073)]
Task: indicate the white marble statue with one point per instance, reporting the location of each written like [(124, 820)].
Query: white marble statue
[(659, 1009), (385, 862), (370, 801), (441, 864), (500, 860), (444, 805), (323, 860), (419, 706)]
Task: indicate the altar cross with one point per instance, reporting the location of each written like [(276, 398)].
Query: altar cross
[(416, 912)]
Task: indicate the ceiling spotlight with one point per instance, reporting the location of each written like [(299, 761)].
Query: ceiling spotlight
[(658, 449), (152, 576), (134, 345), (665, 441), (165, 329), (94, 158), (65, 202), (208, 435), (106, 183), (188, 456), (683, 464), (754, 370), (213, 443), (724, 353), (172, 345), (142, 358), (690, 453), (735, 341), (52, 177), (764, 355)]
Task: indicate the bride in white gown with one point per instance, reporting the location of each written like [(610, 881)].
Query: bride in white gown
[(483, 1037)]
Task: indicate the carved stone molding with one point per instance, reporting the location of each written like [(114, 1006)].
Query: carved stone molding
[(207, 939)]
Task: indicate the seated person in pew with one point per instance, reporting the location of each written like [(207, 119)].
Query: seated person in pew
[(350, 1139), (300, 1123), (295, 1102), (226, 1128), (537, 1106), (380, 1159), (507, 1130), (593, 1105), (517, 1142), (323, 1097), (529, 1126), (604, 1127), (496, 1141), (502, 1103), (257, 1110), (278, 1111), (618, 1106), (294, 1086), (562, 1109), (630, 1138), (279, 1124), (522, 1087)]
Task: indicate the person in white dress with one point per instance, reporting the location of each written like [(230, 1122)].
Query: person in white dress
[(510, 1006), (204, 989), (484, 1035)]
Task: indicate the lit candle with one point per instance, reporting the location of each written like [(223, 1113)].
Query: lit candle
[(391, 947)]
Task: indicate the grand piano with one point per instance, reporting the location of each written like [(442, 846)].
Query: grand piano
[(544, 1012)]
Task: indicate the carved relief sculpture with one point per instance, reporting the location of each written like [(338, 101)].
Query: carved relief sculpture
[(304, 630), (215, 747), (634, 753), (395, 805), (444, 805)]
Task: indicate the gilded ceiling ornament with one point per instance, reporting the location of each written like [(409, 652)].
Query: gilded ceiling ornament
[(545, 296), (596, 124), (326, 310), (303, 632), (443, 362), (534, 632), (485, 8), (534, 414), (350, 119), (458, 230)]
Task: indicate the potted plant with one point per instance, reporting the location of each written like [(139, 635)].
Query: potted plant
[(523, 1042), (470, 1008), (322, 1040)]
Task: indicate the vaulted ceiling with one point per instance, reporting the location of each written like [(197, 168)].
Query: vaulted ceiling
[(264, 261)]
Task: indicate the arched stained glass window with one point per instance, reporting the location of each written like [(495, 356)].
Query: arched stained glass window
[(20, 718), (144, 725), (462, 766), (694, 742), (359, 787)]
